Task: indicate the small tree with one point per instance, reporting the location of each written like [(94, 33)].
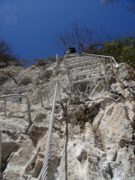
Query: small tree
[(6, 56), (123, 49), (79, 37)]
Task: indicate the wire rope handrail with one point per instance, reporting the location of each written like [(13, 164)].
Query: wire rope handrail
[(44, 171)]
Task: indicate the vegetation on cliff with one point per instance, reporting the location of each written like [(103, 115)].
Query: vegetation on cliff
[(123, 49), (6, 56)]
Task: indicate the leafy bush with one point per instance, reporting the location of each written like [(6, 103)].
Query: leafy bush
[(6, 57), (40, 62), (43, 62), (122, 49)]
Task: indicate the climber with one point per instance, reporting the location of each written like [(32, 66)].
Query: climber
[(70, 50)]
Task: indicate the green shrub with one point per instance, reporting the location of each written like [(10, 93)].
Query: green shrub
[(122, 49)]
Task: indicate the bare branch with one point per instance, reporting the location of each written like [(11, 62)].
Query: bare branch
[(79, 37)]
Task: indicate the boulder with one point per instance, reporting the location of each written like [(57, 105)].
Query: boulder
[(25, 80)]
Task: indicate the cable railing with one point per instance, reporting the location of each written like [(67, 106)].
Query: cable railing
[(4, 97), (44, 171)]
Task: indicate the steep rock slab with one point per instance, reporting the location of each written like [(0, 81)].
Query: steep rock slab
[(18, 160)]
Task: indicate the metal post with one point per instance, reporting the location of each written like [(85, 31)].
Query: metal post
[(116, 64)]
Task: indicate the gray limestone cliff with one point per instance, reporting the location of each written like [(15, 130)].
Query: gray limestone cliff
[(93, 136)]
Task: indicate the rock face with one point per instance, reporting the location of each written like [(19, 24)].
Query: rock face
[(93, 136)]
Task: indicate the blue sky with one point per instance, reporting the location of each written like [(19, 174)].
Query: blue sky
[(32, 26)]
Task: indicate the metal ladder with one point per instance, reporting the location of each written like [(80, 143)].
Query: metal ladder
[(88, 68)]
